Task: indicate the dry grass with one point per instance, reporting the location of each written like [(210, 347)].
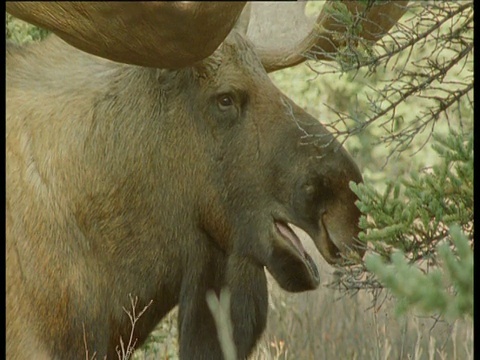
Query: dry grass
[(325, 324)]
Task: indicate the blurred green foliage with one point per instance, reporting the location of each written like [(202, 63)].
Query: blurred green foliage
[(426, 220), (21, 32), (447, 289), (410, 214)]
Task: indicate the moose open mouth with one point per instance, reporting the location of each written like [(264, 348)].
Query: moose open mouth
[(293, 268)]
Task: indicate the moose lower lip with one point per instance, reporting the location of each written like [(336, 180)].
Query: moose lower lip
[(287, 233)]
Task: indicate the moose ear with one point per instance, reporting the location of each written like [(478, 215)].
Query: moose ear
[(243, 21)]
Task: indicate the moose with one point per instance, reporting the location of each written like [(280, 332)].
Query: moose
[(165, 184)]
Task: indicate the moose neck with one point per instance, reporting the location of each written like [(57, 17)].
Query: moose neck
[(105, 117)]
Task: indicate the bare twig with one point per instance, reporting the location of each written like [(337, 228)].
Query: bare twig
[(125, 352), (443, 77), (94, 355)]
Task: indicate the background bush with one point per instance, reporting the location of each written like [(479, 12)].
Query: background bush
[(405, 111)]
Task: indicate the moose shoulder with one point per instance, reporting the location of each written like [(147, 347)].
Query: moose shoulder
[(162, 184)]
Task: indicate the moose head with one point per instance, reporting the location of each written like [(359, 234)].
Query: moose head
[(168, 183)]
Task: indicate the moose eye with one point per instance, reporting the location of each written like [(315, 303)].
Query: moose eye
[(225, 101)]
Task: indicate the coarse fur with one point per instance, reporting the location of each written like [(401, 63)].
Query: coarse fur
[(161, 184)]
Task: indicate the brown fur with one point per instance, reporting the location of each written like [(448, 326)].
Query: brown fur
[(128, 180)]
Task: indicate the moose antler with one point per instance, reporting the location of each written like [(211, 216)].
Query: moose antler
[(293, 37), (163, 34), (177, 34)]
